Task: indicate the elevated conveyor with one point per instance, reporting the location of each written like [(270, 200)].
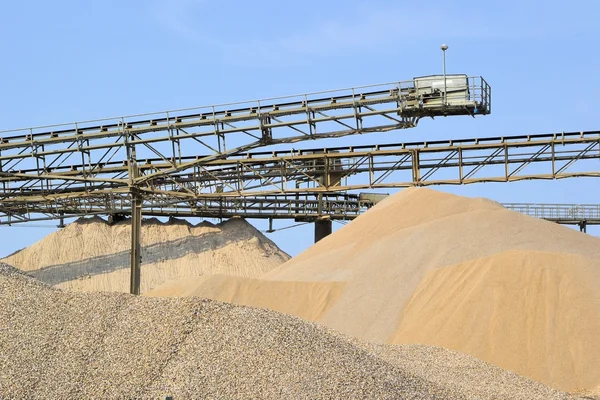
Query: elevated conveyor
[(183, 139), (339, 169), (83, 167)]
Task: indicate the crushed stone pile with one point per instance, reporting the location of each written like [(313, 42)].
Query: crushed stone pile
[(57, 344), (426, 267), (91, 255), (462, 372)]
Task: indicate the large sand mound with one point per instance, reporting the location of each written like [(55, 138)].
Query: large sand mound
[(56, 344), (91, 255), (503, 297), (544, 304)]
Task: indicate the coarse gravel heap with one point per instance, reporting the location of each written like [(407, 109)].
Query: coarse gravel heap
[(56, 344)]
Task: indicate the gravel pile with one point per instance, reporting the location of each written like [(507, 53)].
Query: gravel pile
[(466, 374), (56, 344)]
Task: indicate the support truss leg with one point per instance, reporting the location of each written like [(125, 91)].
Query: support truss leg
[(322, 229), (136, 256)]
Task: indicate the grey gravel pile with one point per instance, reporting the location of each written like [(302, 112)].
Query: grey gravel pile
[(56, 344), (473, 377)]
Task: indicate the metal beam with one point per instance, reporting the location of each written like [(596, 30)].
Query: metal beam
[(299, 207), (322, 229), (567, 214), (177, 137), (136, 250), (310, 173), (339, 169)]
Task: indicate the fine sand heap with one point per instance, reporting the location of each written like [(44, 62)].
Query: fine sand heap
[(427, 267), (91, 255), (56, 344)]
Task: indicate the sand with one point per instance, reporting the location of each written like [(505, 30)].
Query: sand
[(307, 300), (56, 344), (541, 303), (429, 267), (91, 255)]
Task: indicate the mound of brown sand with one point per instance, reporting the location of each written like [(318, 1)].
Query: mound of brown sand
[(91, 255), (307, 300), (56, 344), (466, 274), (538, 302)]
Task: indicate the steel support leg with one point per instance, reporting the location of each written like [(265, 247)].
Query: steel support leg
[(136, 255), (61, 224), (322, 229)]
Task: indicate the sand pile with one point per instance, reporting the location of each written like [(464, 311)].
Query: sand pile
[(91, 255), (56, 344), (432, 268)]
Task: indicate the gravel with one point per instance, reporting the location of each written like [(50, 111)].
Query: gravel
[(56, 344), (466, 374)]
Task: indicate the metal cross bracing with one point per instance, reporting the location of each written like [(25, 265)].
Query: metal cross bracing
[(70, 169), (34, 160), (301, 208), (310, 184), (342, 169)]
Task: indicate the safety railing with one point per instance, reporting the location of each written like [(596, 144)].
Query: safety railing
[(558, 212)]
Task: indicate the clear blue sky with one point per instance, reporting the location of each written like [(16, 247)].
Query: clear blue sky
[(74, 60)]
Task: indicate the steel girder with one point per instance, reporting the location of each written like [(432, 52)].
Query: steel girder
[(256, 181), (305, 208), (340, 169), (35, 159)]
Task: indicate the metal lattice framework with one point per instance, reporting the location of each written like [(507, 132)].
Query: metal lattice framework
[(305, 207), (152, 161), (261, 179), (568, 214), (80, 157), (302, 207)]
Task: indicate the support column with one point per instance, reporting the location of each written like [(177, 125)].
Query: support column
[(136, 213), (136, 254), (61, 224), (322, 229)]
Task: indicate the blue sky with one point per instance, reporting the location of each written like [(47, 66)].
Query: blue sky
[(70, 60)]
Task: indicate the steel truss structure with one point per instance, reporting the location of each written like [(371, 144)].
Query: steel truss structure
[(201, 162), (298, 207), (313, 176), (304, 207), (153, 159), (568, 214), (80, 157), (85, 167)]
